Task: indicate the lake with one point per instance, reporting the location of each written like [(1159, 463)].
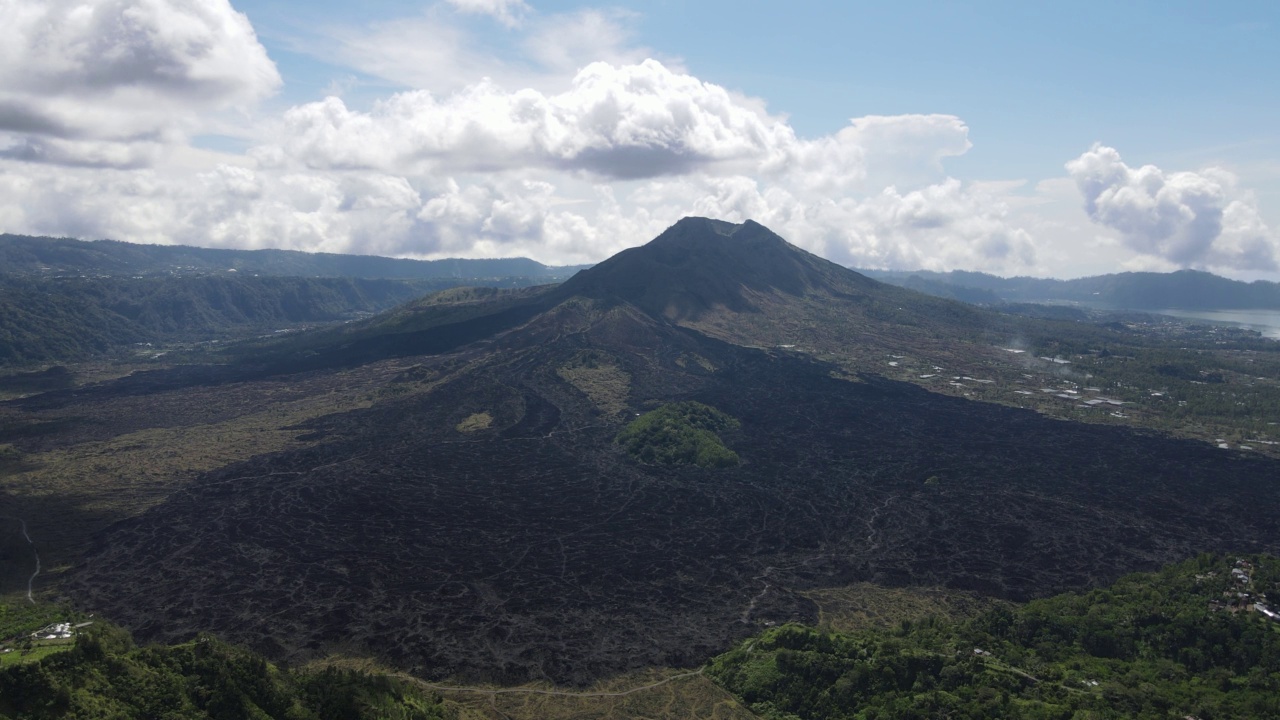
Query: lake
[(1266, 322)]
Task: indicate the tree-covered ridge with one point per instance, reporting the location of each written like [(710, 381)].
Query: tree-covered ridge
[(684, 433), (1188, 641), (26, 255), (105, 676), (58, 319), (1188, 289)]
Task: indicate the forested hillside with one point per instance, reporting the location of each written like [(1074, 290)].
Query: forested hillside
[(58, 319), (1185, 289), (102, 674), (1194, 640), (20, 254)]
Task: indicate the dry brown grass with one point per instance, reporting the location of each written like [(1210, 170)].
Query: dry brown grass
[(104, 481), (475, 422), (628, 697), (864, 605), (129, 473), (658, 693), (607, 385)]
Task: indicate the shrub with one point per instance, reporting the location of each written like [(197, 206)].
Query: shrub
[(684, 433)]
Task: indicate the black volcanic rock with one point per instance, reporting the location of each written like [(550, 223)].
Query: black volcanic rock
[(699, 264)]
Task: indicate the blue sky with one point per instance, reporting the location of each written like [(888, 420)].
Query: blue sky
[(1018, 138)]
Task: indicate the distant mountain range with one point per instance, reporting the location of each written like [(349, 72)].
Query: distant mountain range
[(1183, 290), (63, 299), (20, 254), (43, 256), (58, 319)]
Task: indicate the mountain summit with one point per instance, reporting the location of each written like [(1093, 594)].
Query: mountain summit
[(700, 264), (741, 284)]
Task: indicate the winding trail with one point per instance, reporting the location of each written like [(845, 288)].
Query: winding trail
[(494, 692), (31, 580), (751, 606), (871, 523)]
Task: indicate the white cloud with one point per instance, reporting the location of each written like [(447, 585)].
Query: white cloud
[(945, 225), (564, 178), (1187, 219), (84, 153), (662, 144), (559, 45), (425, 52), (77, 75), (435, 52), (507, 12), (530, 150), (624, 122)]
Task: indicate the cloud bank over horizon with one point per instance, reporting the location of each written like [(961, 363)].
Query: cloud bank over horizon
[(1188, 219), (565, 153)]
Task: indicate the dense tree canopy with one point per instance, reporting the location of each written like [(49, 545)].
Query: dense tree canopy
[(105, 676), (1184, 642), (684, 433)]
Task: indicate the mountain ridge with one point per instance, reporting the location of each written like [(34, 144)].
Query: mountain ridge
[(1182, 289), (22, 254)]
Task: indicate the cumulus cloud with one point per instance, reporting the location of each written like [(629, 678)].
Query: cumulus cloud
[(615, 121), (226, 206), (623, 122), (637, 146), (550, 157), (563, 178), (941, 226), (552, 218), (121, 71), (1188, 219)]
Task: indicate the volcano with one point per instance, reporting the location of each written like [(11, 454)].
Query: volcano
[(479, 520)]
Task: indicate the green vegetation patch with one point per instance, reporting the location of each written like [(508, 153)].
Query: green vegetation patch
[(103, 675), (684, 433), (21, 644), (10, 459), (1188, 641)]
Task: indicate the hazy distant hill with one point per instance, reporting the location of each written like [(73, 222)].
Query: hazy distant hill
[(59, 256), (55, 319), (1185, 289), (64, 299)]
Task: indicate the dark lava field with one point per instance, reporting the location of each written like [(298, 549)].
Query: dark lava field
[(535, 548)]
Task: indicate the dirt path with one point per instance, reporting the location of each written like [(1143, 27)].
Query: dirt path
[(31, 580), (564, 693), (871, 523)]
